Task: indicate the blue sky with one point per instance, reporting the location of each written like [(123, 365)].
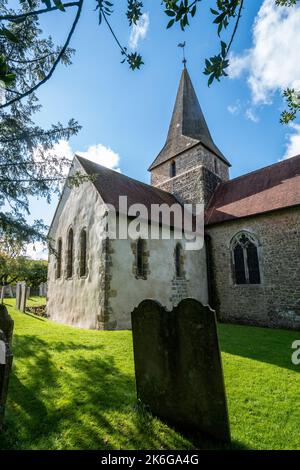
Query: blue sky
[(129, 112)]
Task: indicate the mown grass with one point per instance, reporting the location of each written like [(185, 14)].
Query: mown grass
[(74, 389)]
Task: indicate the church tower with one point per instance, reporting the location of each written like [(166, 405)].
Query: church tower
[(190, 165)]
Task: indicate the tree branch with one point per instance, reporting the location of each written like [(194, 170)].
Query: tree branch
[(30, 61), (114, 35), (57, 61), (37, 12), (235, 27)]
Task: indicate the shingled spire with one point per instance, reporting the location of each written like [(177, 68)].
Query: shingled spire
[(188, 126)]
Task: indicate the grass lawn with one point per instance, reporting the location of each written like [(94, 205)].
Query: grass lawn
[(74, 389)]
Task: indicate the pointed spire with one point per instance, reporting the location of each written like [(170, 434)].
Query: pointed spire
[(188, 126)]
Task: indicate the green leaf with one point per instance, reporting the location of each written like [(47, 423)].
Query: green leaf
[(171, 22), (220, 18), (59, 5), (9, 79), (9, 35), (211, 79), (47, 3), (170, 13)]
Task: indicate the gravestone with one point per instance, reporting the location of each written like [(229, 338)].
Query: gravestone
[(178, 366), (23, 297), (18, 295), (6, 357), (43, 289)]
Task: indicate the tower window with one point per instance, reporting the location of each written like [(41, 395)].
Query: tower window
[(83, 253), (173, 169), (58, 259), (246, 269), (178, 260), (70, 253)]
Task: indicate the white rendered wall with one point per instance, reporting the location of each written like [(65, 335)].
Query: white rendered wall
[(127, 291), (78, 301)]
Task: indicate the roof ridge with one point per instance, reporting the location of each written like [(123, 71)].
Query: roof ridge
[(258, 170), (124, 176)]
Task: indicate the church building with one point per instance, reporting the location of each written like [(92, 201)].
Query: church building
[(248, 269)]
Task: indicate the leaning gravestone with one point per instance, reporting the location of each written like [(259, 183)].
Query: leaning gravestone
[(6, 357), (178, 366)]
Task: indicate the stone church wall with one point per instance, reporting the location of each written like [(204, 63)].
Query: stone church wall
[(78, 301), (126, 291), (188, 160), (276, 301), (198, 173), (105, 297)]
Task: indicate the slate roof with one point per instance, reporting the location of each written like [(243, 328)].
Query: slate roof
[(188, 126), (268, 189), (110, 184)]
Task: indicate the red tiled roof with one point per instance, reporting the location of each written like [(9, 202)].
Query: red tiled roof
[(111, 184), (268, 189)]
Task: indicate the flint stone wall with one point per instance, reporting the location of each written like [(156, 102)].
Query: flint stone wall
[(276, 301), (198, 172)]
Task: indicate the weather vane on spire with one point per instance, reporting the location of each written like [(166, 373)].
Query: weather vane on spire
[(182, 45)]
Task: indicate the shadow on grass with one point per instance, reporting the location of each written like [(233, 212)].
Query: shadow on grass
[(35, 317), (267, 345), (84, 401)]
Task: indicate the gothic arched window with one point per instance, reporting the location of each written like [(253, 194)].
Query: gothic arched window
[(70, 254), (140, 265), (178, 260), (58, 259), (246, 269), (83, 253), (173, 169)]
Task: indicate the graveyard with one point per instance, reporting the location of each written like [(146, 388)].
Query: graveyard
[(75, 389)]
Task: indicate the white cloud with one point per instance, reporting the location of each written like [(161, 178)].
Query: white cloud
[(234, 108), (61, 149), (139, 31), (97, 153), (293, 144), (102, 155), (272, 63), (37, 251), (251, 115)]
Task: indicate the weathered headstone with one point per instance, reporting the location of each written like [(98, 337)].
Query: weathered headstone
[(178, 366), (18, 295), (43, 289), (6, 357), (27, 293), (23, 299)]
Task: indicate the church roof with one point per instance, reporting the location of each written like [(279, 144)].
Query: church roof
[(111, 184), (188, 126), (268, 189)]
